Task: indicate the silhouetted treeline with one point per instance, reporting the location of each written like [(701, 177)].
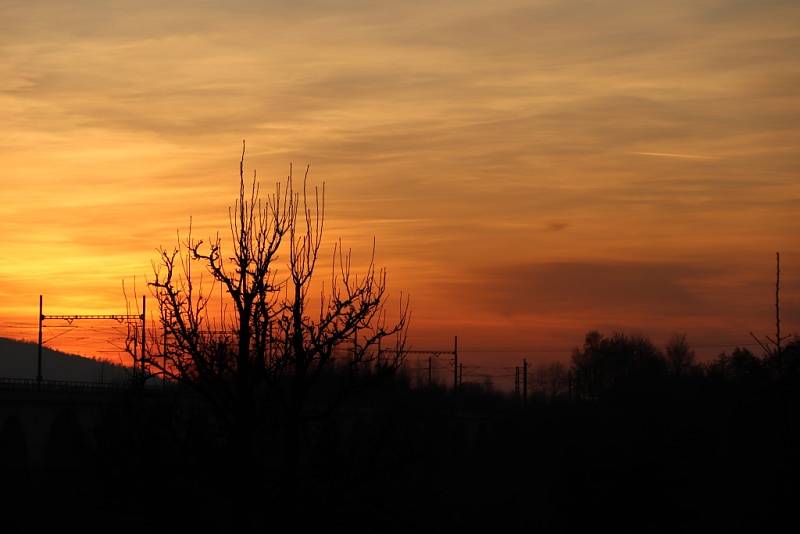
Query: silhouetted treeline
[(627, 365), (627, 436)]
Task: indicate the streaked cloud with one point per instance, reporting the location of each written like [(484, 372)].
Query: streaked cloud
[(461, 134)]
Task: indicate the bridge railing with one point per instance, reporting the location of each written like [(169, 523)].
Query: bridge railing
[(69, 386)]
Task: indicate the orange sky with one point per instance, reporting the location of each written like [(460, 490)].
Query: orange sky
[(530, 170)]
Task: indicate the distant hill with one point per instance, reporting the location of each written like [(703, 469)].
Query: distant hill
[(18, 360)]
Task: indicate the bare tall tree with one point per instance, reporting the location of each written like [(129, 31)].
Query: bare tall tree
[(268, 346), (680, 356), (773, 348)]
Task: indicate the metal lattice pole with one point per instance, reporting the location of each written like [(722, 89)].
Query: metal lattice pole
[(120, 318)]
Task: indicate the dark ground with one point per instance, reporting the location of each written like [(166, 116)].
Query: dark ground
[(713, 451)]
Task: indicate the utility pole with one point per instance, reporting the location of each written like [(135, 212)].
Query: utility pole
[(455, 364), (355, 350), (164, 361), (144, 373), (135, 366), (778, 310), (524, 381), (39, 354)]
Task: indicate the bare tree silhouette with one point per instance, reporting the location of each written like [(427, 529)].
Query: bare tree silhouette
[(272, 342), (680, 356)]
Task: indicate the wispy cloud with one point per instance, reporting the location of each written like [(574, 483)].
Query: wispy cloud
[(459, 133)]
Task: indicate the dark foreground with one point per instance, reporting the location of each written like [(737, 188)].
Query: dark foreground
[(713, 450)]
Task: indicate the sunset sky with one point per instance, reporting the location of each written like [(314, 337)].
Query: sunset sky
[(530, 170)]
